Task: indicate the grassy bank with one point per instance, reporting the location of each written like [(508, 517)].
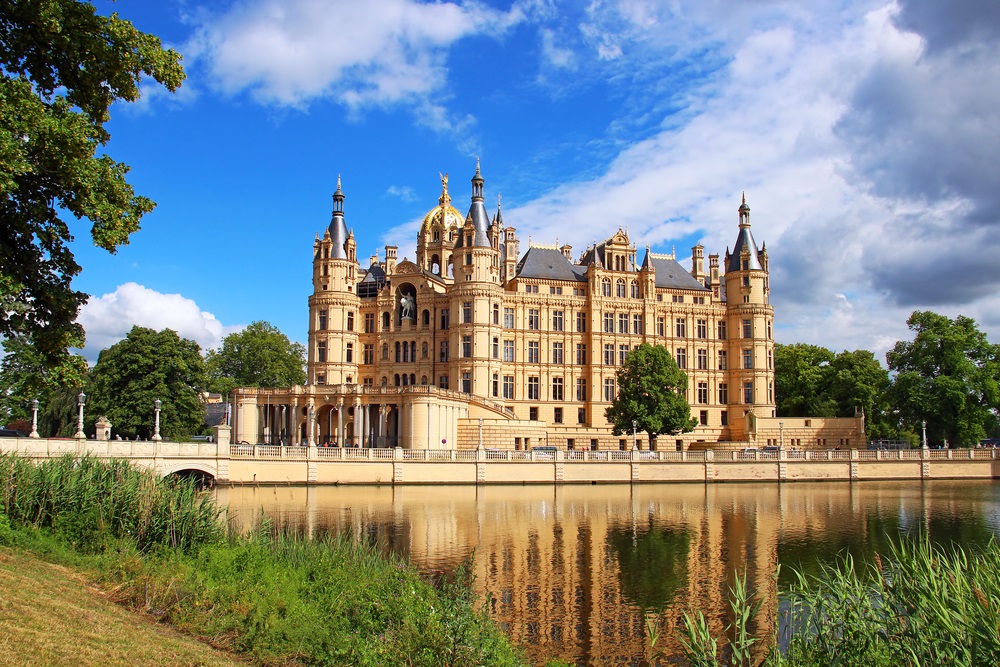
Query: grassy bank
[(159, 548)]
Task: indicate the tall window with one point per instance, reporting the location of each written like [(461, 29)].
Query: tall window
[(660, 326), (557, 389), (748, 358), (322, 320), (466, 383), (557, 353), (722, 360), (623, 323), (620, 289), (533, 318), (508, 387), (581, 322), (445, 318), (467, 312), (350, 320), (637, 324), (748, 392), (682, 358), (508, 318), (557, 416), (581, 354), (321, 352), (769, 330), (609, 389), (508, 350), (496, 385), (496, 348), (443, 382), (635, 289), (609, 354), (609, 322), (533, 389), (623, 351), (680, 328), (702, 360), (369, 322), (557, 320), (444, 351), (723, 393), (533, 352), (748, 328), (721, 331), (368, 353), (466, 346), (496, 313), (349, 353), (581, 389), (606, 287), (701, 328), (703, 392)]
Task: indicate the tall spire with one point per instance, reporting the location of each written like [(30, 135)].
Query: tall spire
[(499, 218), (338, 228)]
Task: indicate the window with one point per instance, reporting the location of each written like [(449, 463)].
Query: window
[(466, 346), (748, 328), (468, 258), (680, 328), (557, 320), (557, 389), (444, 351), (703, 418), (496, 314), (620, 289), (678, 298), (606, 287), (581, 389), (609, 354), (466, 383), (467, 312), (623, 323), (555, 290), (368, 353), (748, 392), (660, 326), (349, 353), (533, 388), (721, 331), (533, 318), (703, 392), (581, 418), (748, 358), (637, 324), (722, 360), (557, 416), (769, 329), (496, 385), (321, 378), (609, 389), (702, 360), (581, 322), (724, 418), (623, 351), (399, 356), (634, 289), (770, 358), (557, 353), (322, 320), (369, 322), (385, 321), (770, 396), (508, 318), (723, 393), (701, 328), (581, 354), (445, 318), (508, 387), (496, 348), (533, 352), (321, 352), (533, 416), (350, 320), (508, 350), (682, 358)]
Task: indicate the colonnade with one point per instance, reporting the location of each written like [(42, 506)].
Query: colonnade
[(348, 424)]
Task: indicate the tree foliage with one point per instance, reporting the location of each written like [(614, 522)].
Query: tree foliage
[(62, 67), (651, 392), (258, 356), (948, 376), (136, 371), (25, 375)]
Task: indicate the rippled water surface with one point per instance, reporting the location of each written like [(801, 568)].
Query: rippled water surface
[(571, 571)]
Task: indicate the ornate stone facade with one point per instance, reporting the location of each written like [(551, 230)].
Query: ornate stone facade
[(421, 354)]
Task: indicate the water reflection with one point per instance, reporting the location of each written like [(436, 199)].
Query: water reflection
[(570, 571)]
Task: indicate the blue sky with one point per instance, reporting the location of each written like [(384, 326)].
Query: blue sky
[(864, 134)]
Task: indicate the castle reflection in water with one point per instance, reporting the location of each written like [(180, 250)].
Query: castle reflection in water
[(571, 571)]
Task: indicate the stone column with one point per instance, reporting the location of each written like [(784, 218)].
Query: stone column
[(340, 422)]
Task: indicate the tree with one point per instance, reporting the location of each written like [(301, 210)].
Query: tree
[(62, 67), (800, 376), (26, 376), (145, 366), (857, 380), (651, 393), (948, 376), (258, 356)]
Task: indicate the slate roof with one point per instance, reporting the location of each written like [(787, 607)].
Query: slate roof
[(745, 240), (548, 264), (670, 274)]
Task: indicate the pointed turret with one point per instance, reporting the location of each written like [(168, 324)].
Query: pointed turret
[(477, 213), (745, 255), (338, 228)]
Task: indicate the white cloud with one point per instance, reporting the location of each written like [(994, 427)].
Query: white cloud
[(403, 192), (108, 318)]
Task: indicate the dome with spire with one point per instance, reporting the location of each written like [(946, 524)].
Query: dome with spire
[(444, 216)]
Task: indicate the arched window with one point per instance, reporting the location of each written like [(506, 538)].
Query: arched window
[(635, 289), (606, 287), (406, 379), (385, 381), (620, 289), (427, 318), (423, 380), (398, 354), (413, 378), (395, 379)]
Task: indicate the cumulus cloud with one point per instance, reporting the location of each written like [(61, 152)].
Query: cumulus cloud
[(108, 318)]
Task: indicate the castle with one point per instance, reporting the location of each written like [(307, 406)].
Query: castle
[(475, 345)]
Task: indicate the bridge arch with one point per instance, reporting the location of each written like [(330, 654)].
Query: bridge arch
[(189, 468)]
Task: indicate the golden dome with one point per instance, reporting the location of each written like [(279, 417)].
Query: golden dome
[(444, 216)]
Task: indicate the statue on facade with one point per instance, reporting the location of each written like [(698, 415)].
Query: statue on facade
[(408, 307)]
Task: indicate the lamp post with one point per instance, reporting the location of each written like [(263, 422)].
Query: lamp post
[(480, 433), (635, 443), (923, 428), (157, 404), (34, 419), (781, 435), (81, 399)]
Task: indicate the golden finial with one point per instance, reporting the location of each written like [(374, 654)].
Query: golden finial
[(445, 197)]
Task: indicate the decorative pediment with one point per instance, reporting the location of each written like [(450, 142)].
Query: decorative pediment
[(406, 267)]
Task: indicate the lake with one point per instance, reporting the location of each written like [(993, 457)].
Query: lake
[(572, 572)]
